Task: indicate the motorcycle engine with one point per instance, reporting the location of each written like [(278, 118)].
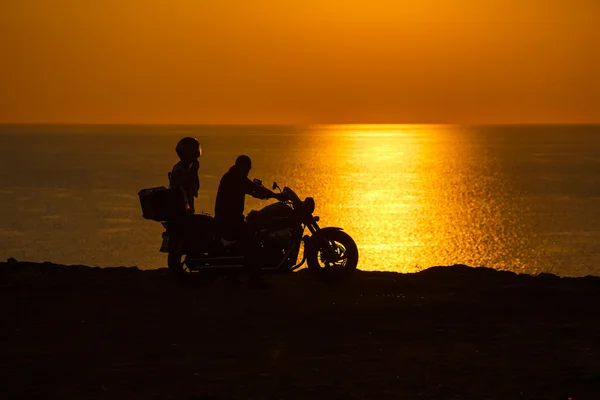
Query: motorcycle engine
[(281, 238)]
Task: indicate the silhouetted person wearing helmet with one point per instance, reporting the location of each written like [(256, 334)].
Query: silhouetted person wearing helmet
[(185, 173), (229, 210)]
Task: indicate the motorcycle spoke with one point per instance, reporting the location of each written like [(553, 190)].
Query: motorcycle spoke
[(340, 252)]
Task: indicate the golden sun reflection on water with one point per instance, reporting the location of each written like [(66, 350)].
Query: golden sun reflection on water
[(411, 196), (418, 196)]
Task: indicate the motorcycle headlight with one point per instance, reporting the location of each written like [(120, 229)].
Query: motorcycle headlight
[(309, 203)]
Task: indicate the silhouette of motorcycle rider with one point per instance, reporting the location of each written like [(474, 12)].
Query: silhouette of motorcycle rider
[(229, 212), (184, 174)]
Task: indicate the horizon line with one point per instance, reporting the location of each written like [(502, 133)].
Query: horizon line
[(299, 124)]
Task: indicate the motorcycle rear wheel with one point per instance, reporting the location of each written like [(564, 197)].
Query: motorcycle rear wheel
[(176, 262), (344, 248)]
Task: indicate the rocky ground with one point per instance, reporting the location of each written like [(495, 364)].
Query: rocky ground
[(75, 332)]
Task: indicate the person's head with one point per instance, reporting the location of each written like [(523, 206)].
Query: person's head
[(243, 164), (188, 149)]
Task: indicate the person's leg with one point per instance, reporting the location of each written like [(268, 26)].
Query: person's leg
[(252, 255), (229, 230)]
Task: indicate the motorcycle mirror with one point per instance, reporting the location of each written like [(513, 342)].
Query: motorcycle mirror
[(276, 186), (257, 181)]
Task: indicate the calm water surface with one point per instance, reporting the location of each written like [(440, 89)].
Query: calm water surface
[(522, 198)]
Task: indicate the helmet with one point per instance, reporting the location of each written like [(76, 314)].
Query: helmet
[(188, 148)]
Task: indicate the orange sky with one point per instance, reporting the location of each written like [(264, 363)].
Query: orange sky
[(309, 61)]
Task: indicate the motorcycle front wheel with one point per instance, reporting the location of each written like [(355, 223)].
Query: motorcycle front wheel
[(344, 251)]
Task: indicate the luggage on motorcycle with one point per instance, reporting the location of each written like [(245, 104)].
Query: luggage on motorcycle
[(197, 233), (162, 204), (201, 226)]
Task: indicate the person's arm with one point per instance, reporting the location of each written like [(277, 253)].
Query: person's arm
[(179, 177), (257, 191), (194, 177), (180, 180), (186, 179)]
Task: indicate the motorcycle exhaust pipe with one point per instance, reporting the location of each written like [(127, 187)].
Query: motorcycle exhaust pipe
[(202, 267), (215, 262)]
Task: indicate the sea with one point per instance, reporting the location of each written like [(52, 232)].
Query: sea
[(523, 198)]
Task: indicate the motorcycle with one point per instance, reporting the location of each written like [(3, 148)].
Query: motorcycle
[(197, 252)]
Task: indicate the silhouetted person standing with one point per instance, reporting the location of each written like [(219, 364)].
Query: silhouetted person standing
[(185, 173), (229, 210)]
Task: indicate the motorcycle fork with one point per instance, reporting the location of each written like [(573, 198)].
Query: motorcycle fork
[(314, 228)]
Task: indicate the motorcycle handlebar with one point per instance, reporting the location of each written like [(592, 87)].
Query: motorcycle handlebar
[(286, 194)]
